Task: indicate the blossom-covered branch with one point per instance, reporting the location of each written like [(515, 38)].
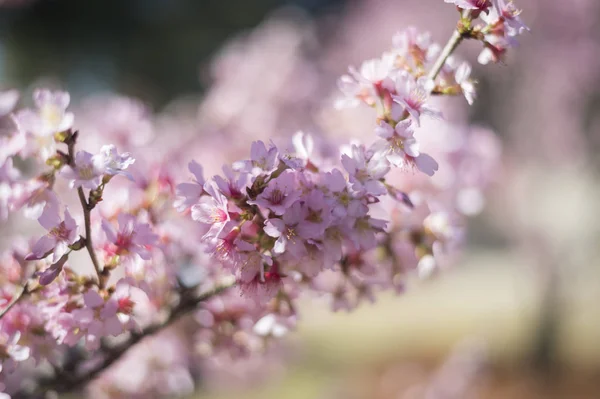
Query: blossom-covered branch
[(63, 381), (338, 220)]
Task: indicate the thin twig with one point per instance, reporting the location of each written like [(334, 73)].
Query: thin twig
[(452, 44), (456, 38), (21, 293), (63, 382), (86, 217)]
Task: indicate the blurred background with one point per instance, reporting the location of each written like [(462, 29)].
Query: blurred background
[(519, 314)]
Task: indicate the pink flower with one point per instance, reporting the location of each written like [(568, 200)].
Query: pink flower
[(252, 265), (8, 177), (61, 234), (503, 25), (129, 302), (401, 148), (412, 97), (93, 321), (280, 193), (412, 44), (366, 168), (115, 163), (462, 77), (365, 230), (262, 161), (399, 142), (303, 148), (132, 238), (212, 210), (189, 194), (35, 198), (49, 275), (510, 14), (480, 5), (232, 186), (50, 117), (262, 290), (365, 85), (343, 199), (11, 352), (88, 171), (291, 231)]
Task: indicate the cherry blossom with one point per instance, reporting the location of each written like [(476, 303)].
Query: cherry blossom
[(49, 117), (61, 234), (87, 173)]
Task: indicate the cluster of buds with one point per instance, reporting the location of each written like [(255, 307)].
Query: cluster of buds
[(236, 251)]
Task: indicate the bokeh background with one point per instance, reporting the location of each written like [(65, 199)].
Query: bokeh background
[(519, 314)]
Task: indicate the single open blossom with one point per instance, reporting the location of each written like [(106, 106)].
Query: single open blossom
[(115, 163), (261, 290), (411, 44), (232, 186), (401, 148), (280, 194), (510, 15), (262, 160), (96, 319), (412, 96), (133, 238), (303, 148), (129, 302), (463, 79), (365, 85), (365, 230), (366, 168), (189, 194), (49, 117), (252, 265), (291, 231), (61, 234), (343, 200), (11, 352), (212, 209), (87, 172), (399, 142)]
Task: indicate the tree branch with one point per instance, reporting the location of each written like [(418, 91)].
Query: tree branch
[(21, 293), (452, 44), (64, 381), (457, 37), (86, 215)]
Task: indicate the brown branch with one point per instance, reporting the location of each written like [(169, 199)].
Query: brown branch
[(86, 214), (456, 38), (64, 381), (21, 293)]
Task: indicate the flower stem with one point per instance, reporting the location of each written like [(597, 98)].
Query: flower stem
[(21, 293), (456, 38), (452, 44), (86, 216)]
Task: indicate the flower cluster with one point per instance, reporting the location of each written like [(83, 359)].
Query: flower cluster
[(127, 248), (502, 24)]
